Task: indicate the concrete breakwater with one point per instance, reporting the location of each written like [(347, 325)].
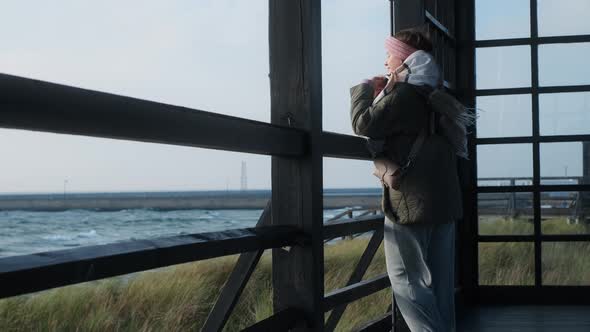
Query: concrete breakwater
[(170, 201)]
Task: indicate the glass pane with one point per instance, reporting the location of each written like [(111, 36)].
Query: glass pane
[(504, 164), (565, 212), (505, 213), (566, 263), (178, 52), (501, 19), (564, 113), (503, 67), (564, 64), (563, 163), (65, 191), (563, 17), (509, 263), (502, 116), (367, 24)]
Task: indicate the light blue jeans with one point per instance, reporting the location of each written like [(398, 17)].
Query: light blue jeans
[(420, 263)]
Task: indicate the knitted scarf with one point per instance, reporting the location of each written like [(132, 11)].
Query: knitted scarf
[(421, 69)]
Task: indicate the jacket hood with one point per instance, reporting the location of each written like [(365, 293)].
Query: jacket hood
[(419, 68)]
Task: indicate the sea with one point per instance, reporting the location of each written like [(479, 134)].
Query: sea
[(27, 232)]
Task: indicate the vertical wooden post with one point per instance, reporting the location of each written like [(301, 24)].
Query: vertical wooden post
[(467, 246), (297, 188)]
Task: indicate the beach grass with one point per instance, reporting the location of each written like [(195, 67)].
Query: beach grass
[(512, 263), (179, 298)]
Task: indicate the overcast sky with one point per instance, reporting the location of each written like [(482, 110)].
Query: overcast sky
[(189, 52)]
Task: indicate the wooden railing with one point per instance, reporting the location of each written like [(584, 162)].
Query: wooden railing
[(292, 227), (293, 138), (348, 213), (571, 204), (35, 105)]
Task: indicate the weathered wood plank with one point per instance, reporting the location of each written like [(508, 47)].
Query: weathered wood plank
[(467, 248), (381, 324), (236, 282), (356, 276), (30, 273), (344, 146), (531, 41), (529, 318), (36, 105), (355, 291), (533, 295), (296, 100), (283, 320), (339, 216), (353, 226)]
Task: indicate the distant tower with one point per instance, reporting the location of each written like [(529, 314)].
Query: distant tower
[(244, 177)]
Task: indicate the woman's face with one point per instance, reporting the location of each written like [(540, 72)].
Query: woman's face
[(392, 62)]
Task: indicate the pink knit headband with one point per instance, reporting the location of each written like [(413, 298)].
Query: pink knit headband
[(398, 48)]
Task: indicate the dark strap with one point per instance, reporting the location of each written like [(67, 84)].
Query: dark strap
[(377, 147), (417, 145), (415, 149)]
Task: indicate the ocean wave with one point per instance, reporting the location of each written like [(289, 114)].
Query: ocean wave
[(90, 233), (68, 237)]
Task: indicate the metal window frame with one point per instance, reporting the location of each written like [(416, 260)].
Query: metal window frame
[(502, 294)]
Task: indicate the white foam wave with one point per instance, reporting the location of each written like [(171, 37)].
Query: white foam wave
[(68, 237)]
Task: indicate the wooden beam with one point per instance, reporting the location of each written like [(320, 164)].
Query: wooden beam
[(537, 295), (530, 238), (36, 105), (344, 146), (532, 41), (381, 324), (352, 226), (30, 273), (356, 291), (467, 249), (541, 89), (297, 186), (356, 276), (283, 320), (236, 282)]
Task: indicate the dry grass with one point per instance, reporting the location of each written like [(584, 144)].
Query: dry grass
[(512, 263), (179, 298)]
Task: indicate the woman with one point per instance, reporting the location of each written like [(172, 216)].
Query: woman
[(420, 214)]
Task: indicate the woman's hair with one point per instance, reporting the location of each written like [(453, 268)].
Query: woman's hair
[(414, 38)]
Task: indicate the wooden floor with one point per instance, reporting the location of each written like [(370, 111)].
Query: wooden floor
[(526, 319)]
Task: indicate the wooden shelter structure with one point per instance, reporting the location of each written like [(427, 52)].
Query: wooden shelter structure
[(292, 224)]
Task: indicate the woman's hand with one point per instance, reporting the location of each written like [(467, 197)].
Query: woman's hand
[(378, 83)]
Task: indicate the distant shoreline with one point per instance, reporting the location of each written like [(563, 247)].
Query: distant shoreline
[(253, 199)]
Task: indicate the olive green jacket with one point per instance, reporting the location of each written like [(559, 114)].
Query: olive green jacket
[(430, 191)]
